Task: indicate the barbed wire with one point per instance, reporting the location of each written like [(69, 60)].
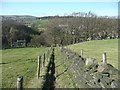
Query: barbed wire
[(30, 70), (16, 61)]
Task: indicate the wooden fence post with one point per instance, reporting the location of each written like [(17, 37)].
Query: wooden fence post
[(81, 53), (20, 83), (38, 68), (104, 58), (47, 56), (43, 60)]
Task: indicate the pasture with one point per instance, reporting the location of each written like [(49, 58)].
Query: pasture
[(23, 62), (95, 49), (19, 62)]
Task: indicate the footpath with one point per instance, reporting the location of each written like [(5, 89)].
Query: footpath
[(64, 68)]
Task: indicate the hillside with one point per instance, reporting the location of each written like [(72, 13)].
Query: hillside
[(95, 49), (53, 30)]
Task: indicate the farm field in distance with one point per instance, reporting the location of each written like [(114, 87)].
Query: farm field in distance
[(95, 49), (18, 62)]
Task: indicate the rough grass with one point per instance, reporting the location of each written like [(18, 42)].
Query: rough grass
[(95, 49), (23, 61), (63, 77), (19, 62)]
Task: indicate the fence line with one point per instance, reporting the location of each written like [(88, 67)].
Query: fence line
[(82, 74), (44, 59)]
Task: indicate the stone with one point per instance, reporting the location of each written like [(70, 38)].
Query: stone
[(106, 75), (93, 84), (107, 68), (90, 63), (96, 76), (114, 84), (107, 80), (87, 76), (103, 68), (104, 84)]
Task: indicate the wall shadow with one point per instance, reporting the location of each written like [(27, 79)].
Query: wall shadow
[(50, 74), (62, 72)]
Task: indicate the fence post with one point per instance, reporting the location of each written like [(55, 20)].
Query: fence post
[(104, 58), (47, 55), (43, 60), (20, 83), (38, 68), (81, 53)]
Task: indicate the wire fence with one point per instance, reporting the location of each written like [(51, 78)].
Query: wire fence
[(43, 59)]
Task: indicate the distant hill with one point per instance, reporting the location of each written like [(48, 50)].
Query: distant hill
[(64, 30)]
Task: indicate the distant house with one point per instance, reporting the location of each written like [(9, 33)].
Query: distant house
[(19, 43)]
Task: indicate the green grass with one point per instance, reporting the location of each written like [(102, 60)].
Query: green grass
[(63, 77), (95, 49), (19, 62), (23, 62)]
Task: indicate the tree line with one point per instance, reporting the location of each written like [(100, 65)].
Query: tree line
[(63, 30)]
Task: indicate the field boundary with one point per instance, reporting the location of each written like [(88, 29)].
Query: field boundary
[(88, 73)]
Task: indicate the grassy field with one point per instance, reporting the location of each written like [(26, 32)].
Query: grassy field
[(23, 62), (95, 49), (19, 62)]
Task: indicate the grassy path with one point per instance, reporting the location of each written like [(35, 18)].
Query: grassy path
[(63, 77), (60, 79), (38, 83)]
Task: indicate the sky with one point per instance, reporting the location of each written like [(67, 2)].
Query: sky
[(59, 8), (59, 0)]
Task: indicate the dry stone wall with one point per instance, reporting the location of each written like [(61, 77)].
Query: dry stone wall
[(87, 73)]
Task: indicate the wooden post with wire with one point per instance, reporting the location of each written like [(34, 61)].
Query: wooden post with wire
[(43, 60), (104, 58), (20, 83), (48, 53), (38, 68)]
